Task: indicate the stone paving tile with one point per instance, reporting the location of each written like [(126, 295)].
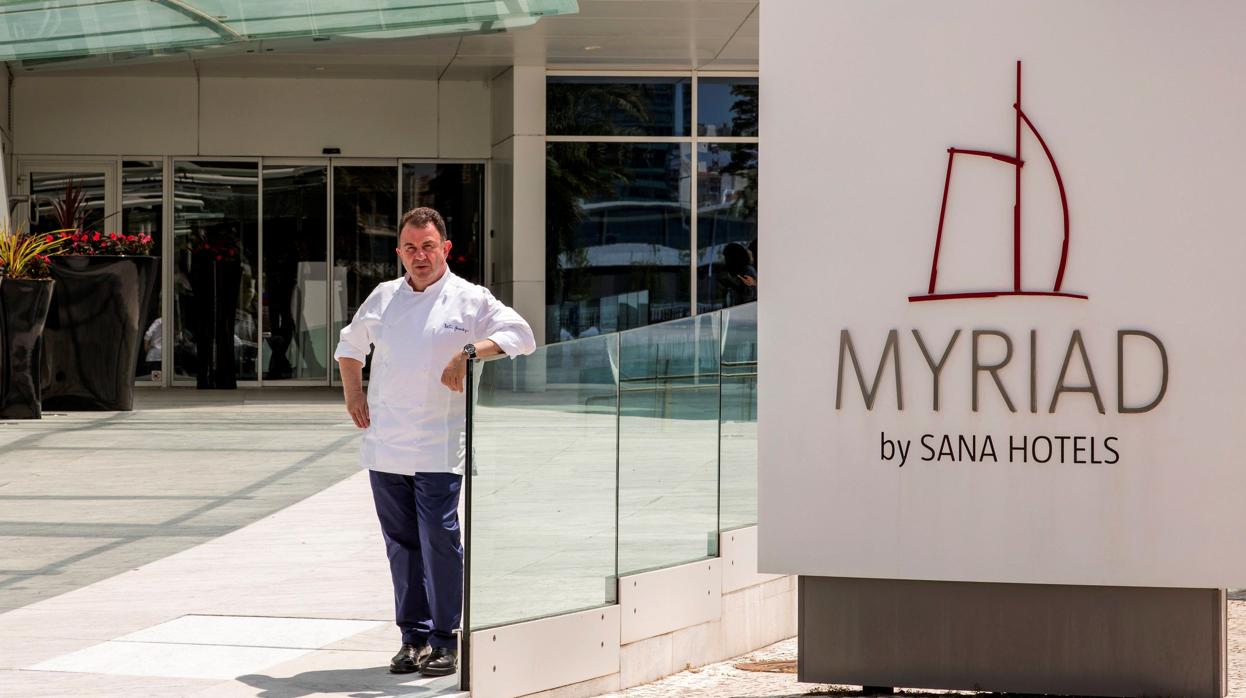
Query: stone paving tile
[(88, 495)]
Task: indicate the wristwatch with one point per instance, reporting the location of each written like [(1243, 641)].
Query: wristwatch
[(470, 350)]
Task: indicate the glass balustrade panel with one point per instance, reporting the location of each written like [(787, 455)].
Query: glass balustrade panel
[(738, 419), (668, 443), (544, 434)]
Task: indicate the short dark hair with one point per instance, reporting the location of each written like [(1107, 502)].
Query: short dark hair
[(422, 216)]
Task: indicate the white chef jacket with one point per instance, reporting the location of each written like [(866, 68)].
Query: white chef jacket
[(417, 423)]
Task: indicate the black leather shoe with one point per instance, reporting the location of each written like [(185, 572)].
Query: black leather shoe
[(408, 659), (442, 662)]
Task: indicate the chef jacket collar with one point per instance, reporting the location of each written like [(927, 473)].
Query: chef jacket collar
[(433, 289)]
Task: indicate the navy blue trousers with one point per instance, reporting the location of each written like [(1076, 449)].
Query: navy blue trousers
[(420, 522)]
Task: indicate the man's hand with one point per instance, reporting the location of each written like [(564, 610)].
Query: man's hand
[(455, 373), (357, 407)]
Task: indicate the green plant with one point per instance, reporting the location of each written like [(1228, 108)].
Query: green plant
[(25, 256)]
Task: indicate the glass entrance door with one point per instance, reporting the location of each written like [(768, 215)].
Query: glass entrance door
[(365, 235), (216, 231), (294, 295)]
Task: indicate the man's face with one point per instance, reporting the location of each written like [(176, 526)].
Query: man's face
[(423, 253)]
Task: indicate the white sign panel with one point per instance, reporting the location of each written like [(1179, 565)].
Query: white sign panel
[(1003, 293)]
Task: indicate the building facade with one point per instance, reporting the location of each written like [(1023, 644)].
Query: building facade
[(597, 169)]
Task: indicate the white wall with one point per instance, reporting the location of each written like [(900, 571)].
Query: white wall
[(464, 124), (250, 117), (95, 116)]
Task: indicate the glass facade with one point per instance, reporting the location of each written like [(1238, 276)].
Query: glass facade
[(617, 236), (726, 224), (641, 230), (268, 257), (610, 106), (727, 107)]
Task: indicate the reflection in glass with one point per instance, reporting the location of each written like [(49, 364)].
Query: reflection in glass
[(49, 188), (668, 443), (295, 303), (727, 107), (543, 499), (726, 225), (614, 106), (215, 228), (142, 213), (738, 421), (617, 236), (457, 191), (365, 235)]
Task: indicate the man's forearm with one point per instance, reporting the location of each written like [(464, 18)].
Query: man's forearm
[(486, 348), (352, 375)]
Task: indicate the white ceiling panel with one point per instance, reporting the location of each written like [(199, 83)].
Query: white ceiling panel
[(735, 10)]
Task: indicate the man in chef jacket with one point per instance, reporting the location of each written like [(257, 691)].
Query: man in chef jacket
[(422, 328)]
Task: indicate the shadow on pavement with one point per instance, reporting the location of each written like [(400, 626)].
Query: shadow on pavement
[(372, 682)]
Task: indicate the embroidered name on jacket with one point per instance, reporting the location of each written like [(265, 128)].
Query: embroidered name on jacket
[(451, 326)]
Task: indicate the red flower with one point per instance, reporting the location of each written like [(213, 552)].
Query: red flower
[(49, 238), (95, 237)]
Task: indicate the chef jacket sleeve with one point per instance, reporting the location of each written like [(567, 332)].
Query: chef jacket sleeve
[(355, 340), (505, 327)]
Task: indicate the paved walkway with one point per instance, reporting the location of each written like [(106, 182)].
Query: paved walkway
[(130, 568), (87, 495)]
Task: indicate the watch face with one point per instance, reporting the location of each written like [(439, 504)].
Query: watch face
[(470, 349)]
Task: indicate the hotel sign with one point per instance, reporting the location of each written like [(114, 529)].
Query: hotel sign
[(1062, 399)]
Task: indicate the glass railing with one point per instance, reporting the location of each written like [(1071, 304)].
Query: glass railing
[(606, 456)]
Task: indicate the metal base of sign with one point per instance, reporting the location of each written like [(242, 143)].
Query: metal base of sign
[(1022, 638)]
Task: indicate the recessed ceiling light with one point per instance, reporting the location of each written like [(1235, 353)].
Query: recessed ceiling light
[(592, 48), (319, 67)]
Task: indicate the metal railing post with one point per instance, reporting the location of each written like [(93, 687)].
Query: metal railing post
[(465, 655)]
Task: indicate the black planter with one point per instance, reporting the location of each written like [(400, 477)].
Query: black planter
[(95, 330), (215, 283), (23, 310)]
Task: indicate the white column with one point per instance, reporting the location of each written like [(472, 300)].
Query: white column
[(518, 193)]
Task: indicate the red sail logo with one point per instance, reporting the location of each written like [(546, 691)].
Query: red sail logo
[(1015, 160)]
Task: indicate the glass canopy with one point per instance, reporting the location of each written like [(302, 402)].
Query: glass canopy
[(51, 29)]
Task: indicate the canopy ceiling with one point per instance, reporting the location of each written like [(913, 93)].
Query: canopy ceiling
[(54, 30)]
